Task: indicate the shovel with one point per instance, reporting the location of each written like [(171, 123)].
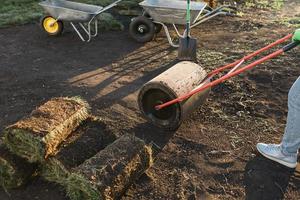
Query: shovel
[(187, 45)]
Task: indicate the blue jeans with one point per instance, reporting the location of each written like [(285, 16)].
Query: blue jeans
[(291, 138)]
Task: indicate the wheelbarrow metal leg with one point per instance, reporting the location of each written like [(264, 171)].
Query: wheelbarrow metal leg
[(176, 29), (96, 28), (168, 35), (87, 30), (77, 31)]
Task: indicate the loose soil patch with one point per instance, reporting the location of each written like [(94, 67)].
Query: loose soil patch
[(213, 153), (91, 137)]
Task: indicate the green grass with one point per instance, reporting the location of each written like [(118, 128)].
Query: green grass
[(293, 22), (13, 12), (17, 12), (264, 4)]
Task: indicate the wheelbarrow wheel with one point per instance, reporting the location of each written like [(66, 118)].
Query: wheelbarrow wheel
[(158, 27), (142, 29), (52, 26)]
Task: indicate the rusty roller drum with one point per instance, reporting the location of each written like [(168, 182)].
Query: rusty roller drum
[(173, 83)]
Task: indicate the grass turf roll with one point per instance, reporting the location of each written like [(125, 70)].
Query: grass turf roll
[(109, 173), (38, 135), (14, 171), (86, 141)]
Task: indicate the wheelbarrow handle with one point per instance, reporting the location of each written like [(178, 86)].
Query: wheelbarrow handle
[(231, 14), (215, 12), (232, 7), (108, 7)]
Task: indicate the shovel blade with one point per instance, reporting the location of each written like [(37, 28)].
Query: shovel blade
[(187, 49)]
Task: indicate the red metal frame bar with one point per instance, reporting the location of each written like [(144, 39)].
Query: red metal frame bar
[(231, 74)]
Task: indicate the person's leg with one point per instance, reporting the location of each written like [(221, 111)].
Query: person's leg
[(286, 153), (291, 139)]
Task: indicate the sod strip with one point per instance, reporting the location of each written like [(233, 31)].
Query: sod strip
[(38, 136), (14, 171), (85, 142), (109, 173)]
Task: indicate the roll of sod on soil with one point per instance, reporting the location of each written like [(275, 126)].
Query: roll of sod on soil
[(91, 137), (109, 173), (179, 80), (38, 136), (14, 171)]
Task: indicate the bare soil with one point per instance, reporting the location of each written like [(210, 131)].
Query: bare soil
[(90, 138), (212, 155)]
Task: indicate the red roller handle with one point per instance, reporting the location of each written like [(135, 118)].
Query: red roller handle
[(248, 57), (236, 72)]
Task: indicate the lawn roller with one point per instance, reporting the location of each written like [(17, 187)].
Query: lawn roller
[(168, 98), (159, 13), (77, 14)]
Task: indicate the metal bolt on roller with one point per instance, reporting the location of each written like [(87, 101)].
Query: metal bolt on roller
[(171, 84)]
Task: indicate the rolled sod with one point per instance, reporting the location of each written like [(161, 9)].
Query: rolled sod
[(86, 141), (14, 171), (38, 135), (109, 173)]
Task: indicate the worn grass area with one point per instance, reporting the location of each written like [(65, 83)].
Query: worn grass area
[(14, 171), (39, 135), (291, 21), (16, 12), (110, 172), (264, 4), (90, 138)]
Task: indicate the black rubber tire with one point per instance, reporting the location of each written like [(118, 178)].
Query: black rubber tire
[(142, 29), (158, 28), (60, 26)]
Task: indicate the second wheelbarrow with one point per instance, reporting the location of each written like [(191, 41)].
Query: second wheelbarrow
[(160, 13), (77, 14)]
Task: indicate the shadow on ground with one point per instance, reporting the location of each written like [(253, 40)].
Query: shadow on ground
[(35, 68), (267, 180)]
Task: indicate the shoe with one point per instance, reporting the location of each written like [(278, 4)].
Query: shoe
[(273, 152)]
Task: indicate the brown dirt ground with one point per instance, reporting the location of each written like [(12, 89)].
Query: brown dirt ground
[(212, 155)]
